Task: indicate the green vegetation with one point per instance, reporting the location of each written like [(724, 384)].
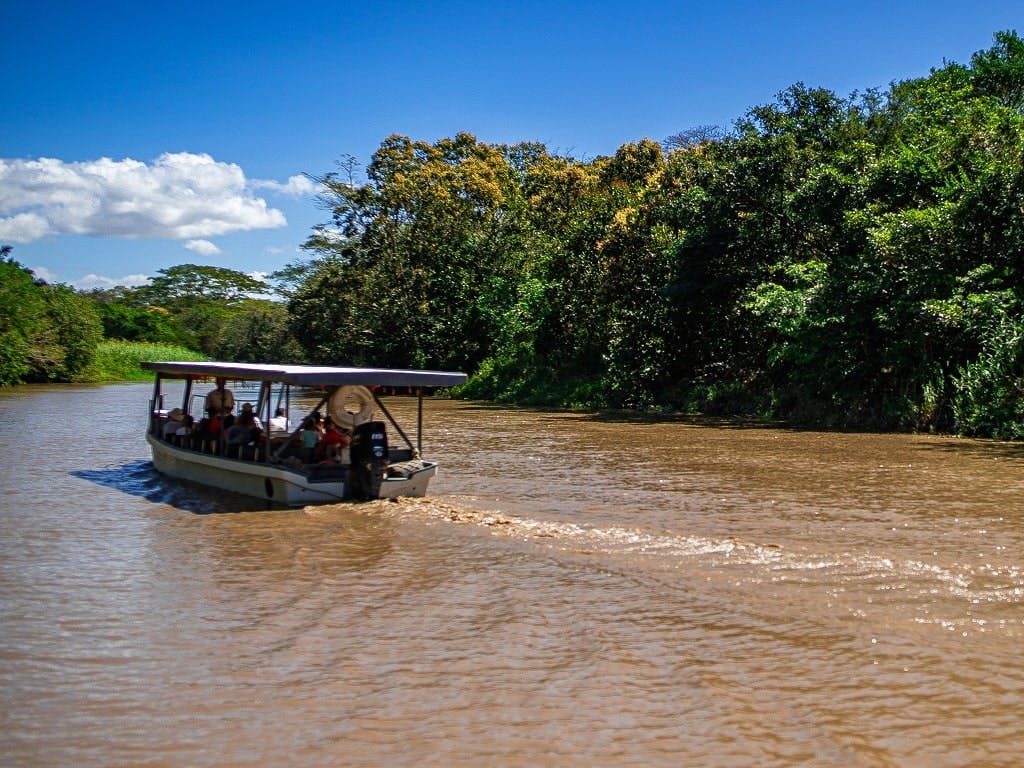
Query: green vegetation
[(117, 360), (187, 312), (214, 310), (842, 261), (47, 332)]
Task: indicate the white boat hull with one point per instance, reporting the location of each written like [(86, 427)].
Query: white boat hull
[(273, 482)]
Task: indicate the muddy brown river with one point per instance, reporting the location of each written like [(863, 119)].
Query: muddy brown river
[(576, 591)]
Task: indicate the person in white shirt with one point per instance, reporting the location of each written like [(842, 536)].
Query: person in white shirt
[(173, 422), (279, 423)]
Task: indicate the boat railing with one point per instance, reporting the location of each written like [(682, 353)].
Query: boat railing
[(294, 456), (197, 403)]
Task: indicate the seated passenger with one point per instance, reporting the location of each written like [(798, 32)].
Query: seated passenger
[(244, 431), (173, 423), (183, 436), (279, 430), (279, 422), (309, 437), (186, 426), (333, 441), (236, 435), (247, 410), (209, 429)]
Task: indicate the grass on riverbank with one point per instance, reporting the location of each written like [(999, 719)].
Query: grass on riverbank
[(119, 360)]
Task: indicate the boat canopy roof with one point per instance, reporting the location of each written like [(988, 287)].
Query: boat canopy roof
[(308, 375)]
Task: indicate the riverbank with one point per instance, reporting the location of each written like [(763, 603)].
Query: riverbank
[(118, 361)]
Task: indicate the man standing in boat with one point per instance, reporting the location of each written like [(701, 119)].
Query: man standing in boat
[(221, 398)]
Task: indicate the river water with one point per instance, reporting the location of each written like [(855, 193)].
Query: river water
[(576, 591)]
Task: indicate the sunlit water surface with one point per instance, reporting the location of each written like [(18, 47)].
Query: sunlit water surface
[(576, 591)]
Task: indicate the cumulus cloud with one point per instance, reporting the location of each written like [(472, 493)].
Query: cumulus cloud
[(178, 196), (202, 247), (89, 282), (44, 274), (296, 186), (23, 227)]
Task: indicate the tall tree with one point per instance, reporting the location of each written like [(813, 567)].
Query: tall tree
[(410, 253), (22, 319), (200, 301), (47, 332), (187, 283)]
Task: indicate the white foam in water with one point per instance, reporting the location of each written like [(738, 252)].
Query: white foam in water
[(731, 551)]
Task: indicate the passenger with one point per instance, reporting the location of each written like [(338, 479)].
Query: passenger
[(279, 429), (184, 434), (255, 429), (186, 425), (247, 409), (172, 423), (209, 430), (221, 398), (279, 422), (333, 441), (237, 434), (257, 437), (309, 437)]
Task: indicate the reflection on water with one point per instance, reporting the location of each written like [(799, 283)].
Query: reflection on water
[(577, 591), (139, 478)]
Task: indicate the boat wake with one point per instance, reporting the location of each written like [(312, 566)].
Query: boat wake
[(760, 562)]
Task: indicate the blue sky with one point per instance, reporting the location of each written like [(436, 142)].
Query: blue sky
[(140, 136)]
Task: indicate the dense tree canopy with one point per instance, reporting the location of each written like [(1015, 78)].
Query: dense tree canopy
[(215, 310), (47, 332), (838, 260), (191, 283), (401, 266)]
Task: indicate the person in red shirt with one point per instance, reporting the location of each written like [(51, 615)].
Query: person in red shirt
[(333, 440), (208, 430)]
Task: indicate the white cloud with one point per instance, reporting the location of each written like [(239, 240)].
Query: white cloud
[(177, 196), (262, 277), (91, 281), (275, 250), (23, 227), (44, 274), (202, 247), (296, 186)]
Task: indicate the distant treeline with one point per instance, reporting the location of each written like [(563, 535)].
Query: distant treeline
[(850, 262), (51, 333)]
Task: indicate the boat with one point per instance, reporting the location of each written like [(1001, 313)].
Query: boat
[(381, 461)]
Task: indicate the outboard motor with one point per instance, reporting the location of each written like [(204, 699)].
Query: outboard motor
[(369, 459)]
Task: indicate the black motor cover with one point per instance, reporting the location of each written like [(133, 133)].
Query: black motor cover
[(370, 442), (369, 459)]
